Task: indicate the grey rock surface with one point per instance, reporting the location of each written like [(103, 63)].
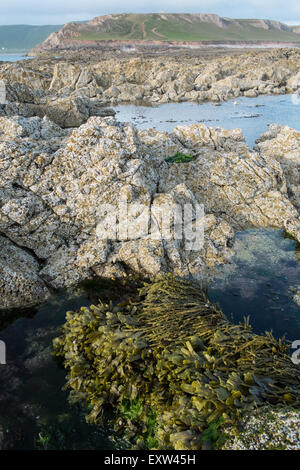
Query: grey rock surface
[(53, 183)]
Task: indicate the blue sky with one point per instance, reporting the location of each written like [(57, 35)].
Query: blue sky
[(62, 11)]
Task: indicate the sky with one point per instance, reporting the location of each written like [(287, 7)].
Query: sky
[(63, 11)]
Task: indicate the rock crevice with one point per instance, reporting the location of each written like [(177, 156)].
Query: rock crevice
[(54, 183)]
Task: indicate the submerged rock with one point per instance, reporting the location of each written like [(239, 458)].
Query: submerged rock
[(295, 294)]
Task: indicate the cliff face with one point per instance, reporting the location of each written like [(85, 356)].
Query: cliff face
[(168, 27)]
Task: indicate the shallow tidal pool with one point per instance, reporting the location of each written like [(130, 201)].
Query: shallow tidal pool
[(251, 115), (34, 412), (259, 283)]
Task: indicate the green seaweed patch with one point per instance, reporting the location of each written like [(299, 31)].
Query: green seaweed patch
[(180, 158), (168, 369), (141, 423), (288, 236), (213, 437)]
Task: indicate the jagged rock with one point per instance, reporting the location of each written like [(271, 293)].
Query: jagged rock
[(68, 101), (82, 84), (282, 143), (20, 284), (54, 182)]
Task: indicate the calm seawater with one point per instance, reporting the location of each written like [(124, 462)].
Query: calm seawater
[(13, 57), (34, 410), (252, 115), (258, 282)]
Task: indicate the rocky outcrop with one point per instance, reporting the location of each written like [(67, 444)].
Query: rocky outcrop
[(70, 89), (30, 92), (282, 143), (54, 184), (270, 24), (19, 273)]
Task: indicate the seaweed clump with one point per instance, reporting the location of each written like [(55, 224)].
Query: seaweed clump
[(180, 157), (168, 367)]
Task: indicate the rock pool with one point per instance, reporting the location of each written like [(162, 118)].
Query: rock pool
[(34, 411), (13, 57), (252, 115), (258, 283)]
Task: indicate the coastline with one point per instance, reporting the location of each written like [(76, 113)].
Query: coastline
[(63, 155)]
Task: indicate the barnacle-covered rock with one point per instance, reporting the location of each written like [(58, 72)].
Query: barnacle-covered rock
[(266, 429), (108, 75), (282, 143), (55, 185), (20, 283), (171, 354)]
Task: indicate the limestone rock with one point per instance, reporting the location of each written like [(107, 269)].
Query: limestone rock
[(20, 284), (282, 143), (54, 184), (79, 85), (266, 429)]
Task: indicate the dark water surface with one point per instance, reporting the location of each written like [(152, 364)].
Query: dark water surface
[(34, 412), (13, 57), (252, 115), (258, 283)]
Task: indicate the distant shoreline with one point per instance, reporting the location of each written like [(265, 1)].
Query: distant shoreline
[(75, 45)]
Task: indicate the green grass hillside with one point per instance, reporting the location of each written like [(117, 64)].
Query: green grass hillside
[(21, 38), (182, 27)]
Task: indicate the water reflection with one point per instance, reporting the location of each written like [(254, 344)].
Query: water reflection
[(252, 115), (258, 282)]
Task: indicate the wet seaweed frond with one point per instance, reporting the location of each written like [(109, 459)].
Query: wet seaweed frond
[(171, 354), (180, 157)]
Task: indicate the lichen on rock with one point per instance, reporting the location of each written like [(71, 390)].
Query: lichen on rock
[(53, 182), (266, 429)]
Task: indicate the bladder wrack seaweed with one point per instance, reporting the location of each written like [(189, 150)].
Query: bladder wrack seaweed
[(171, 366)]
